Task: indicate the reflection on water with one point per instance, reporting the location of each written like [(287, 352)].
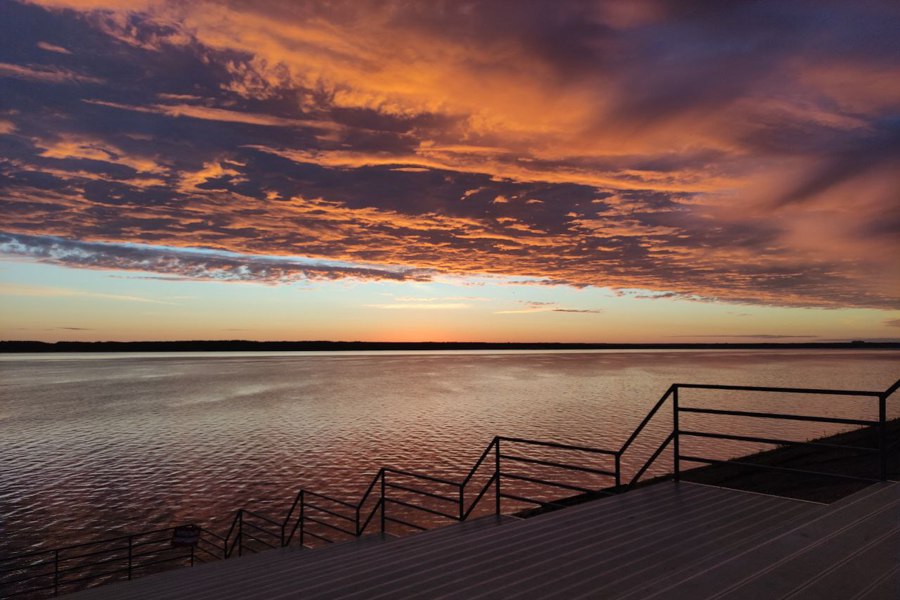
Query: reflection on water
[(94, 445)]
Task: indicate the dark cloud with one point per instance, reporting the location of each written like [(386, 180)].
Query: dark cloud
[(670, 149)]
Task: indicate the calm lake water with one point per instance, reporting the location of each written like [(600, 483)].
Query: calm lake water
[(95, 445)]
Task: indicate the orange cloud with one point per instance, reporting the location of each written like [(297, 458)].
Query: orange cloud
[(52, 48), (68, 147), (215, 114)]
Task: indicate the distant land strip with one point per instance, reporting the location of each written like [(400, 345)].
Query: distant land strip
[(325, 346)]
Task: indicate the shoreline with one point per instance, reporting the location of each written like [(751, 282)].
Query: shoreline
[(26, 346)]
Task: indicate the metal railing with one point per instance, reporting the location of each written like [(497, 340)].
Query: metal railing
[(67, 568), (394, 497), (513, 467), (882, 449)]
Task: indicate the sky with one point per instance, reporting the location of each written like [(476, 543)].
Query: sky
[(640, 171)]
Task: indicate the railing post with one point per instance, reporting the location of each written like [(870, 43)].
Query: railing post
[(56, 572), (302, 514), (618, 471), (675, 449), (882, 436), (130, 545), (497, 474), (240, 535), (383, 504)]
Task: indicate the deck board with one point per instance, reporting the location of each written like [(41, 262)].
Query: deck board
[(670, 540)]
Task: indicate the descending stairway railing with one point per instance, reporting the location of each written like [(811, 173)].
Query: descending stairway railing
[(327, 519), (505, 465), (61, 570)]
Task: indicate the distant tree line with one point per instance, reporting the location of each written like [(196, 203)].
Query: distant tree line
[(322, 346)]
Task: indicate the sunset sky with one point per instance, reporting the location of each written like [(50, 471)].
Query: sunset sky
[(634, 171)]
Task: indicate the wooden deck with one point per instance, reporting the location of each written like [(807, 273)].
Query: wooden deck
[(684, 541)]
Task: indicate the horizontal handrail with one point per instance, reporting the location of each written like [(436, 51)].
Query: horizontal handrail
[(406, 523), (780, 390), (422, 508), (329, 525), (117, 558), (330, 512), (29, 578), (208, 552), (212, 533), (262, 517), (559, 446), (261, 530), (421, 492), (83, 544), (97, 553), (768, 415), (421, 476), (335, 500), (29, 566), (550, 463), (566, 486), (256, 539), (319, 537), (156, 553)]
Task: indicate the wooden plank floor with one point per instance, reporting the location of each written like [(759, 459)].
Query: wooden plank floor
[(680, 541)]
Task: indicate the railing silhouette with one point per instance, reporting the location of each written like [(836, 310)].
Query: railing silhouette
[(61, 570), (328, 519), (314, 517), (674, 438)]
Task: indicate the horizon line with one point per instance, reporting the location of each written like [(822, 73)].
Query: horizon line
[(240, 344)]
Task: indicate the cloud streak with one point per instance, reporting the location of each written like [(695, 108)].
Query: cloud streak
[(45, 74), (185, 264)]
